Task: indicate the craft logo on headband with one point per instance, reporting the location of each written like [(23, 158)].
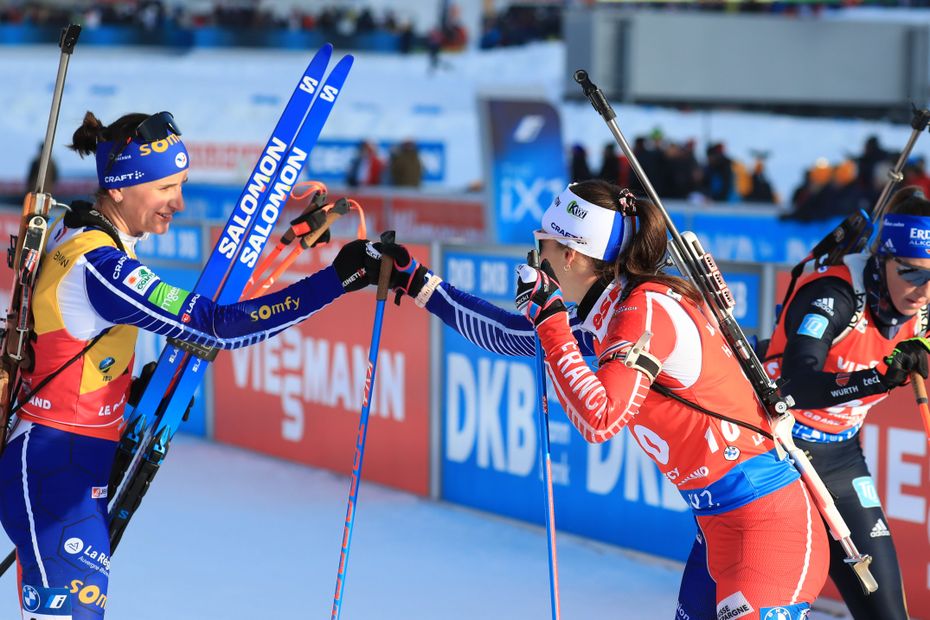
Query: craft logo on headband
[(906, 236), (141, 162), (586, 227)]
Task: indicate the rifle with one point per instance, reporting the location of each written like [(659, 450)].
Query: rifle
[(699, 266), (26, 250)]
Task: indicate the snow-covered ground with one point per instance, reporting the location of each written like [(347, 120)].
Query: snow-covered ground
[(228, 534)]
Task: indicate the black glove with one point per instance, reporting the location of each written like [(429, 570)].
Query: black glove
[(408, 275), (538, 294), (357, 264), (138, 385), (909, 356)]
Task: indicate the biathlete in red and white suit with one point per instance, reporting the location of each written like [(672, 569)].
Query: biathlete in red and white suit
[(762, 550)]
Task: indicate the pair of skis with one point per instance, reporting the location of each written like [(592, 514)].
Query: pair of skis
[(182, 364)]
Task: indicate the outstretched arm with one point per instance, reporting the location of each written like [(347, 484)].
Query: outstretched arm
[(122, 290)]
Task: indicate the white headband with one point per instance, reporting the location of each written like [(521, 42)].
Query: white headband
[(586, 227)]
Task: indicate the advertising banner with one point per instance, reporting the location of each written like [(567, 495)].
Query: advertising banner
[(524, 164), (299, 395)]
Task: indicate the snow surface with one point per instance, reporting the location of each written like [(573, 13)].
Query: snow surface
[(228, 534)]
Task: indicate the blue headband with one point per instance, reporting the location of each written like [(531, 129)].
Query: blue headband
[(907, 236), (141, 163)]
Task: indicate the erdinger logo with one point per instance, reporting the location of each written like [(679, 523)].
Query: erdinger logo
[(577, 211)]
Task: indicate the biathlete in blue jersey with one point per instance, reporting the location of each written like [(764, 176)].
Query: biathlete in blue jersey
[(91, 297)]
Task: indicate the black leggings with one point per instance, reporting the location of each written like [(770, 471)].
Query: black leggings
[(842, 467)]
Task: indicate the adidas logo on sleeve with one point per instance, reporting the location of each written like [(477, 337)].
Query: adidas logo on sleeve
[(880, 529), (825, 304)]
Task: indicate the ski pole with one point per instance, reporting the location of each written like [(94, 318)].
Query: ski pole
[(701, 268), (387, 265), (546, 464), (920, 393), (298, 226)]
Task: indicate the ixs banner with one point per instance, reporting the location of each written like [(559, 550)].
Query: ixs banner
[(524, 162), (299, 395), (490, 447)]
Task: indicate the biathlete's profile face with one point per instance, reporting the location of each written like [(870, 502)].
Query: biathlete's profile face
[(150, 207), (908, 283), (563, 260)]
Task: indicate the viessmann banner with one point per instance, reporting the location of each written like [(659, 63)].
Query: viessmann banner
[(299, 395)]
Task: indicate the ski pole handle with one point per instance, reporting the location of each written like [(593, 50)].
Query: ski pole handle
[(532, 259), (920, 393), (387, 265)]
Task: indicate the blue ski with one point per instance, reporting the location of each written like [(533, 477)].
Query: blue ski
[(240, 222), (225, 276)]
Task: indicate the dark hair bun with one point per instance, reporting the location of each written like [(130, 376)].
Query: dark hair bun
[(85, 138)]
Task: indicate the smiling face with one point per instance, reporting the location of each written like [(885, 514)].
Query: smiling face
[(147, 207), (908, 283)]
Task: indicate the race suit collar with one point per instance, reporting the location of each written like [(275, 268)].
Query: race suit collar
[(591, 298), (598, 305)]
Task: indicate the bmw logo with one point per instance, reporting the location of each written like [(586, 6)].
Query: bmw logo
[(30, 598), (106, 364)]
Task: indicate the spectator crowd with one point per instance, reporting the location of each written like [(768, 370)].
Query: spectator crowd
[(153, 14), (676, 173), (830, 190)]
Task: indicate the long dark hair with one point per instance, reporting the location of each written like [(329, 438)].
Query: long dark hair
[(92, 130), (644, 258)]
